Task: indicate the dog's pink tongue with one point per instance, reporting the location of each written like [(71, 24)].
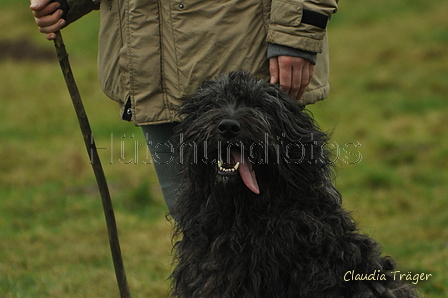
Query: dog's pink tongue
[(246, 172)]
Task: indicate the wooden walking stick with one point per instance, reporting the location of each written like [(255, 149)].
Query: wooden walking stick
[(96, 165)]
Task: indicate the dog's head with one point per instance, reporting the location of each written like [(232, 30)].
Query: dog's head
[(242, 133)]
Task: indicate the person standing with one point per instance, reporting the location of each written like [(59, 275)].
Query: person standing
[(153, 53)]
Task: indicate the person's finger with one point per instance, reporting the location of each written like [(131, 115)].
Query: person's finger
[(311, 71), (297, 80), (50, 36), (37, 5), (285, 73), (273, 70), (305, 80), (47, 10), (50, 19), (53, 28)]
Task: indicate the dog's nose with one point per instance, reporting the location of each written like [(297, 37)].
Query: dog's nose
[(229, 128)]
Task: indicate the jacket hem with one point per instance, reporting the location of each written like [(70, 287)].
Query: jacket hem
[(315, 95)]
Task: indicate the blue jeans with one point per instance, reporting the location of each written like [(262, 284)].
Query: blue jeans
[(164, 156)]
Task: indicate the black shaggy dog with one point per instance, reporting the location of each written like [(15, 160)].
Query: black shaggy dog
[(257, 212)]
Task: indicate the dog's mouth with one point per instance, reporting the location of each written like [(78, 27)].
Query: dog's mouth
[(233, 162)]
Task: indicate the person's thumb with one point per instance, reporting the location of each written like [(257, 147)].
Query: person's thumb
[(273, 70)]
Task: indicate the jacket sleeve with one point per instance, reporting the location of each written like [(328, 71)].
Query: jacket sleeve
[(79, 8), (300, 24)]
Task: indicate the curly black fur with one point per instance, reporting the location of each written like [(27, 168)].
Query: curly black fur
[(293, 239)]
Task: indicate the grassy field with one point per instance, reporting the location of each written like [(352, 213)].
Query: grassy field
[(388, 109)]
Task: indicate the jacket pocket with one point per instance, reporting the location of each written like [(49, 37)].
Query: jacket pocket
[(286, 13)]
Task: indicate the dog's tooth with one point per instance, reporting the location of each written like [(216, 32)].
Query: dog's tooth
[(227, 170)]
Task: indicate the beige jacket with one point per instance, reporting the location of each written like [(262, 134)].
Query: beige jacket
[(153, 52)]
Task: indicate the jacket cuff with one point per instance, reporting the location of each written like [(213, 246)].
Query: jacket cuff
[(275, 50), (79, 8), (300, 24)]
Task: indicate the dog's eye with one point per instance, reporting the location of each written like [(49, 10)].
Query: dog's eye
[(205, 84)]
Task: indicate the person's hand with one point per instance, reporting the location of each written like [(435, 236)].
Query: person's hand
[(292, 73), (48, 17)]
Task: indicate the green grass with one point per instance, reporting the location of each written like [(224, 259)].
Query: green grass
[(389, 98)]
